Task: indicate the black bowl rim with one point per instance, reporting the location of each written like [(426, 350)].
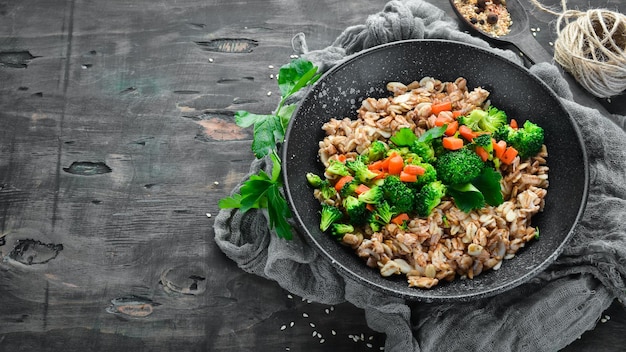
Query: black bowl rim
[(417, 296)]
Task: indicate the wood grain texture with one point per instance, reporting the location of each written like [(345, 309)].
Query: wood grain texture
[(117, 141)]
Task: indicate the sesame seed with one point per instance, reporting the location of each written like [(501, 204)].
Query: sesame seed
[(369, 345), (534, 34), (603, 320), (333, 332), (216, 183), (269, 93), (332, 308), (210, 59), (322, 341), (271, 76), (290, 296), (283, 327), (291, 324), (305, 315), (208, 215), (312, 325), (327, 311), (319, 335), (270, 66), (314, 333)]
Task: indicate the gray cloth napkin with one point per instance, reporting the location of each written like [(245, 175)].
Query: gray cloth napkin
[(545, 314)]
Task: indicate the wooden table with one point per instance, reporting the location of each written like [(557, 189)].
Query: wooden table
[(117, 141)]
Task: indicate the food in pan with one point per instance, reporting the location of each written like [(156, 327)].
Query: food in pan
[(432, 182)]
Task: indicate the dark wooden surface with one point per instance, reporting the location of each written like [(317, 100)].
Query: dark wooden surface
[(117, 141)]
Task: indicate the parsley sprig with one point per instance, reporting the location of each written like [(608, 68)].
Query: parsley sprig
[(263, 191)]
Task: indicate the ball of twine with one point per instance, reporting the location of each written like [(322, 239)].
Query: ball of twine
[(592, 48)]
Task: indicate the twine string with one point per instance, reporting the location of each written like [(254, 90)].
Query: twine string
[(591, 45)]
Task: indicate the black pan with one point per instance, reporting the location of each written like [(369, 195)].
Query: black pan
[(513, 88)]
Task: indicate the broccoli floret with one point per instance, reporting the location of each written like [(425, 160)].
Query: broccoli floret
[(527, 140), (481, 120), (349, 188), (337, 168), (495, 119), (429, 176), (381, 216), (484, 141), (458, 166), (372, 196), (360, 171), (399, 195), (429, 197), (471, 120), (339, 230), (330, 214), (376, 151), (424, 150), (356, 210), (314, 180), (326, 189)]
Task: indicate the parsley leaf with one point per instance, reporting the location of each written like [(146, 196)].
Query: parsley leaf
[(262, 190), (433, 133), (488, 182), (404, 137), (296, 75), (466, 196)]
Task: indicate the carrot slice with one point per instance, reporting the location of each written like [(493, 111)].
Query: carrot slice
[(513, 124), (400, 219), (452, 128), (407, 177), (498, 148), (342, 158), (509, 155), (457, 113), (342, 182), (482, 153), (414, 170), (439, 107), (441, 120), (376, 165), (361, 189), (370, 207), (452, 143), (466, 133), (396, 164)]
